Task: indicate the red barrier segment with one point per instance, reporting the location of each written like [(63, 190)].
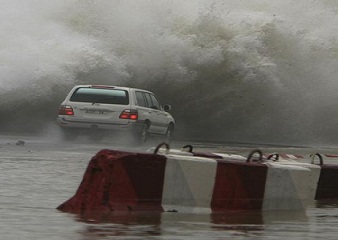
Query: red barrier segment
[(328, 182), (120, 181), (239, 186), (331, 155), (206, 155)]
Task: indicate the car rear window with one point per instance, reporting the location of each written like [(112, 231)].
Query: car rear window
[(100, 95)]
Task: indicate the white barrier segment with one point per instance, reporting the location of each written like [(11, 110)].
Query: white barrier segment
[(188, 184), (291, 156), (288, 186), (313, 177), (164, 151), (231, 156), (180, 152)]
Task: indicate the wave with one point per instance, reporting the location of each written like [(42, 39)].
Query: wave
[(258, 71)]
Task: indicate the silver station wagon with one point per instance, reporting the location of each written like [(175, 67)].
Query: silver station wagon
[(96, 109)]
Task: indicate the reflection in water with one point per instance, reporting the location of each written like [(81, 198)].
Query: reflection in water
[(327, 203), (96, 231), (121, 217), (237, 218), (141, 224), (328, 211), (120, 224)]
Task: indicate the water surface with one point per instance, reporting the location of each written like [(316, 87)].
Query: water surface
[(37, 177)]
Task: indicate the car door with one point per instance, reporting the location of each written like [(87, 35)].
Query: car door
[(160, 115), (150, 109)]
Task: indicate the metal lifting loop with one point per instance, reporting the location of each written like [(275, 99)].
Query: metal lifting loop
[(188, 146), (166, 145), (276, 155), (252, 153), (321, 162)]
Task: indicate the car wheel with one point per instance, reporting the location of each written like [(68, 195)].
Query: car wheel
[(169, 133), (144, 134)]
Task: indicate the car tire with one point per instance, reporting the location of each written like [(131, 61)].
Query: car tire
[(140, 136), (169, 133), (143, 137)]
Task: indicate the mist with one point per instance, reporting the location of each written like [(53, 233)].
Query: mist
[(236, 71)]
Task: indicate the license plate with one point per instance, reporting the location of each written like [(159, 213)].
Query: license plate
[(97, 111)]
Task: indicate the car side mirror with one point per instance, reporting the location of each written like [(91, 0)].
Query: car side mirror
[(167, 108)]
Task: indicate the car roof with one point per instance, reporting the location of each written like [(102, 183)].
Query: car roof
[(111, 86)]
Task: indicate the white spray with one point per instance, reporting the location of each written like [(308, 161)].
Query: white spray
[(262, 71)]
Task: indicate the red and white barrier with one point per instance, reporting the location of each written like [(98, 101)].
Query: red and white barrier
[(188, 185), (179, 181), (290, 186)]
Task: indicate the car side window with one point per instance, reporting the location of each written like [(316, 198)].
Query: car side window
[(155, 103), (148, 100), (140, 99)]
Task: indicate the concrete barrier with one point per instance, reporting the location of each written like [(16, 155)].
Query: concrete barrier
[(120, 181), (290, 186), (180, 181)]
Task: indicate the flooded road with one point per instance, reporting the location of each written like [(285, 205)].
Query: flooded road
[(38, 174)]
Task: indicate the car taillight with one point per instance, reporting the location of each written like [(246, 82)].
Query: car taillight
[(129, 114), (66, 110)]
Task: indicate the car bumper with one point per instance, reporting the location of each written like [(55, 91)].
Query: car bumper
[(130, 126)]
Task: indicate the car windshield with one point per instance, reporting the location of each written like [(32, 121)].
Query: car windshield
[(100, 95)]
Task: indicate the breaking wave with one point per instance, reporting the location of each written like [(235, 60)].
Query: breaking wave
[(233, 70)]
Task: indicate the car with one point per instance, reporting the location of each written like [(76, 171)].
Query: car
[(97, 109)]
